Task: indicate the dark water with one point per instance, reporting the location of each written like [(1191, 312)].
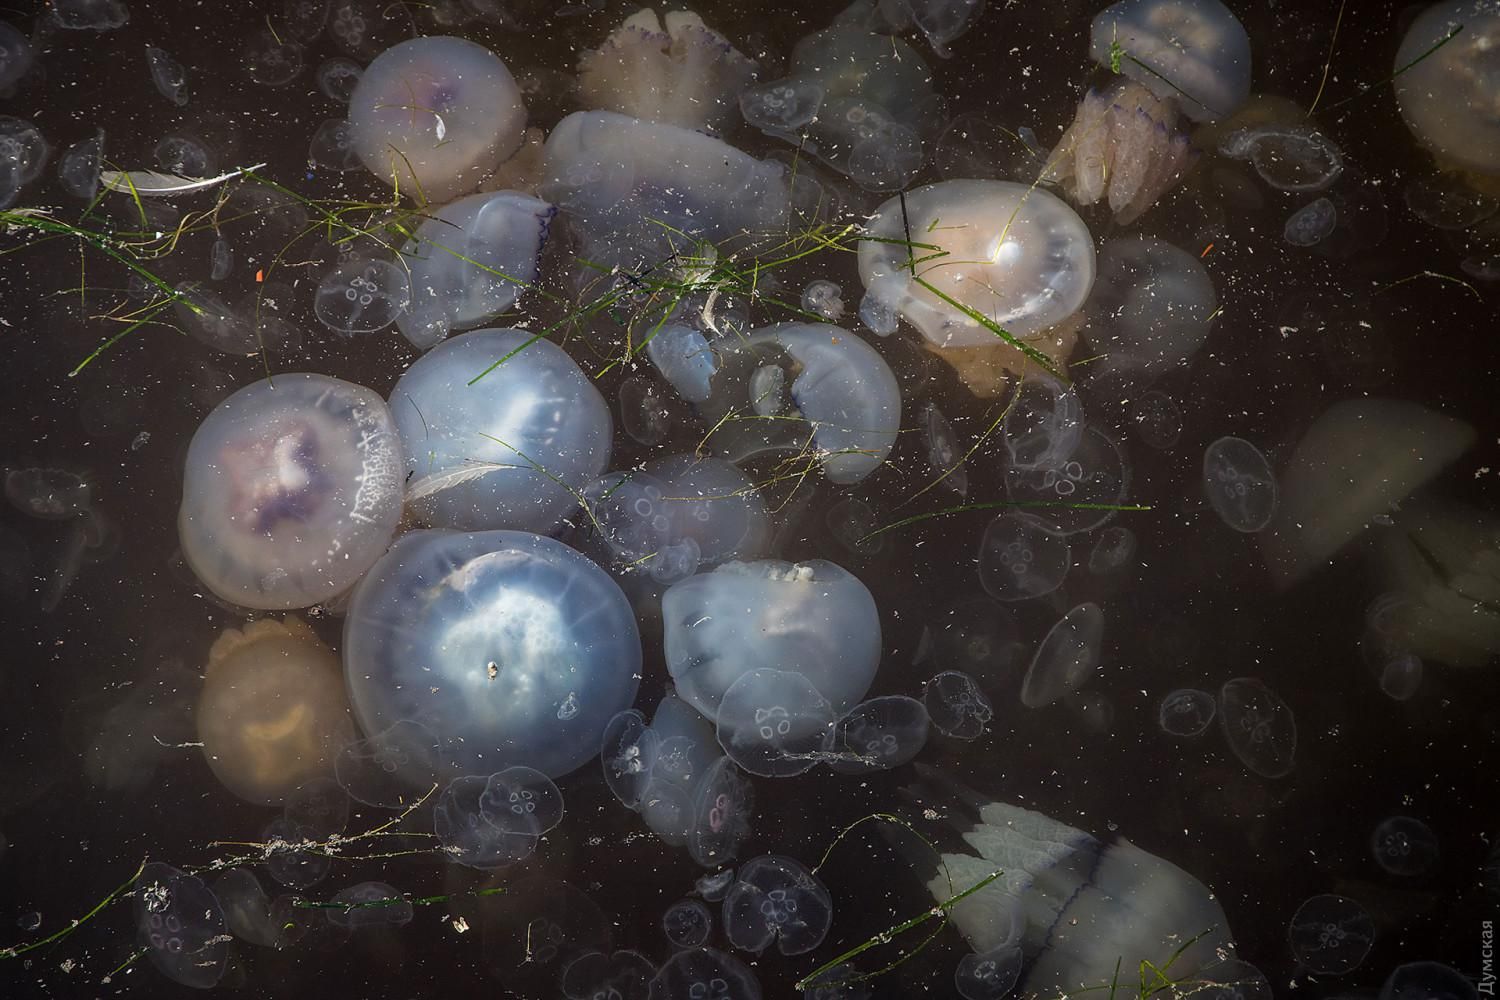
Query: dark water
[(82, 801)]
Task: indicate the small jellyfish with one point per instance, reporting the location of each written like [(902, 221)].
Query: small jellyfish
[(370, 904), (685, 359), (1259, 726), (628, 753), (304, 20), (1295, 158), (1186, 713), (211, 320), (1239, 483), (247, 910), (1066, 657), (1113, 550), (181, 926), (1445, 83), (1427, 981), (956, 706), (1444, 201), (49, 494), (879, 735), (80, 165), (687, 923), (1404, 846), (854, 524), (332, 147), (1195, 53), (623, 975), (776, 899), (1150, 308), (376, 771), (644, 413), (723, 803), (435, 115), (989, 975), (1021, 557), (1156, 419), (270, 60), (521, 801), (1331, 935), (337, 78), (706, 973), (89, 15), (466, 834), (16, 56), (1311, 223), (943, 451), (1079, 488), (361, 295), (168, 75), (291, 491), (774, 723), (823, 299), (287, 860), (716, 885), (23, 154), (685, 753), (510, 450)]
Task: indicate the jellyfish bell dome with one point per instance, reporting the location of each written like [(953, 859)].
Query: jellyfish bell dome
[(292, 490), (512, 648), (1448, 97), (435, 116), (1195, 52)]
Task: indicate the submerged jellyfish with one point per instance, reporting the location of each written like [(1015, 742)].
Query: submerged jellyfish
[(1259, 726), (1405, 846), (510, 450), (181, 926), (1007, 255), (1074, 905), (1066, 657), (1185, 712), (362, 296), (1021, 557), (879, 735), (292, 490), (1239, 483), (628, 752), (956, 705), (776, 899), (380, 771), (814, 619), (16, 56), (1150, 308), (470, 261), (861, 102), (673, 69), (1445, 83), (623, 975), (687, 923), (273, 712), (370, 904), (685, 751), (706, 973), (512, 647), (774, 723), (1331, 935), (434, 116)]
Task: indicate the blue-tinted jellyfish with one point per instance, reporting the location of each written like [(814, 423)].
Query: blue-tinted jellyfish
[(181, 926), (628, 753), (686, 751), (1331, 935), (512, 449), (776, 899), (687, 923), (1447, 93), (811, 618), (861, 102), (1405, 846), (775, 723), (704, 973), (292, 489), (824, 299), (16, 56), (434, 116), (1075, 905), (470, 261), (1149, 310), (1239, 484), (1311, 224), (488, 823), (521, 800), (956, 706), (672, 69), (370, 904), (1021, 557), (723, 803), (989, 975), (1066, 657), (1427, 981), (622, 975), (1186, 712), (1113, 550), (1259, 726), (879, 734), (808, 389), (639, 192), (362, 296), (512, 647)]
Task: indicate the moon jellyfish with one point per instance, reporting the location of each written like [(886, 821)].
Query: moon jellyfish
[(269, 60), (704, 972), (332, 147), (1427, 981), (434, 116), (470, 261), (814, 619), (1150, 308), (362, 296), (513, 647), (16, 56), (488, 823), (247, 911), (49, 494), (644, 413), (628, 754), (1404, 846), (89, 15), (722, 805), (1239, 483), (854, 525), (776, 899), (79, 167), (990, 975), (513, 449), (943, 451), (623, 975), (686, 750), (1310, 224), (1445, 84), (956, 706), (23, 154), (1085, 484), (715, 886), (687, 923), (824, 299), (672, 69), (1259, 726), (832, 396), (976, 635), (1021, 557), (273, 713), (1295, 158), (1331, 935), (1156, 419), (337, 78), (1066, 657), (370, 904), (774, 723), (879, 735), (1186, 713), (168, 75), (379, 771), (1113, 550), (180, 926), (291, 491)]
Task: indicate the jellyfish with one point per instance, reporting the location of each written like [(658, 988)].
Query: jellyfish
[(956, 705), (382, 769), (273, 714), (1445, 83), (1331, 935), (704, 972), (370, 904), (23, 154), (512, 647), (814, 618), (1186, 712), (433, 116), (990, 256), (879, 735), (292, 489), (861, 102), (1259, 727), (491, 822), (181, 926), (247, 910), (776, 899), (1066, 656), (337, 77), (362, 295), (1113, 550), (1404, 846), (1429, 981), (470, 261), (1021, 557), (1178, 58), (16, 56), (687, 923), (672, 69), (500, 429), (168, 76), (685, 750), (1239, 483), (628, 752), (1357, 461), (939, 21), (774, 723), (1149, 311), (597, 976), (1074, 905)]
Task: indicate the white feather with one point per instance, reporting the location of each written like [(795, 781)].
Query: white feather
[(153, 183)]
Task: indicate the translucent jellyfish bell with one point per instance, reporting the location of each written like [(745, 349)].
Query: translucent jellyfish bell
[(1259, 727), (879, 735), (1448, 96), (512, 647), (292, 489), (1150, 307), (181, 926), (774, 723), (1021, 557), (1066, 657), (1239, 484), (776, 899), (687, 923), (704, 972), (434, 116), (1195, 52), (508, 451)]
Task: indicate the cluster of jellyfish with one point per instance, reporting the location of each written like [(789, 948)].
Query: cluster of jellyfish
[(494, 572)]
